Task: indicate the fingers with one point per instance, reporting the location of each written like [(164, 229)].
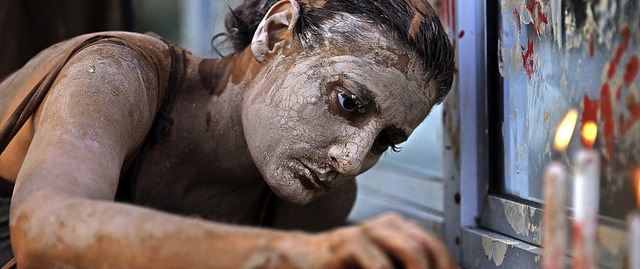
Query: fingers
[(400, 246), (370, 256), (384, 242), (409, 243), (353, 249), (439, 253)]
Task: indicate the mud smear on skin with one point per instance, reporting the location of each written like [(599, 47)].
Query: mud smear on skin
[(215, 74), (310, 70)]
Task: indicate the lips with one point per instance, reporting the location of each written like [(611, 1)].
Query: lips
[(311, 180)]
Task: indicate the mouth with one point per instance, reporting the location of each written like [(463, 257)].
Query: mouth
[(310, 179)]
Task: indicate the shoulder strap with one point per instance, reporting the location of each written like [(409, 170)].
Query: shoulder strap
[(34, 98), (161, 127), (11, 264)]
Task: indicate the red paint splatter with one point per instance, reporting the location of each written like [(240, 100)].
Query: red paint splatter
[(631, 71), (518, 21), (617, 56), (635, 117), (461, 34), (591, 108), (613, 65), (528, 62), (634, 108), (592, 47), (621, 123), (625, 37), (610, 121), (631, 101), (535, 9), (607, 117)]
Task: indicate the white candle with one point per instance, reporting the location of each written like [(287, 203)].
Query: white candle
[(634, 244), (634, 228), (554, 219), (586, 198), (555, 196)]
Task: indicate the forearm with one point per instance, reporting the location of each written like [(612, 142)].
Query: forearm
[(49, 229)]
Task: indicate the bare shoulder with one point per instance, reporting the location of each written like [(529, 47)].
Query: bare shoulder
[(113, 83), (110, 85), (95, 115), (18, 84)]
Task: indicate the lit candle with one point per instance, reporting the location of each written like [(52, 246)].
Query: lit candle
[(634, 230), (555, 189), (586, 198), (634, 247)]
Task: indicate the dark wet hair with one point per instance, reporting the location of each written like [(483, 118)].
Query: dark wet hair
[(413, 22)]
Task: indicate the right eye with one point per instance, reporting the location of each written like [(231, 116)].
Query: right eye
[(347, 103)]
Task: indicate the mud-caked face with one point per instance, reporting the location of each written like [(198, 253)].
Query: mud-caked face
[(314, 120)]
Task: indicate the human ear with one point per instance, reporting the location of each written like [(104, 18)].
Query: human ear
[(274, 31)]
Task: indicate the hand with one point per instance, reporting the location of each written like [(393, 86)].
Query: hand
[(388, 241)]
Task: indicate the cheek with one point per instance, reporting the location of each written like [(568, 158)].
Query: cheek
[(291, 116)]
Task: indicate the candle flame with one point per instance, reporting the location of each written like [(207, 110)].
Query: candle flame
[(589, 131), (565, 130)]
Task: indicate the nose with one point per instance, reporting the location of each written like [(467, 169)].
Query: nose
[(348, 157)]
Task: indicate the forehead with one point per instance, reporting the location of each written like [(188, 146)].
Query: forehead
[(368, 59), (400, 97)]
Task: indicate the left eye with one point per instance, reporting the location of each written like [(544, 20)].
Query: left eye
[(347, 103)]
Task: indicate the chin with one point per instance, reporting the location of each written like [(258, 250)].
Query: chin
[(291, 181), (294, 192)]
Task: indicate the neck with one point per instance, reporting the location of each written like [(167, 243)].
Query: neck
[(207, 153), (225, 82), (230, 73)]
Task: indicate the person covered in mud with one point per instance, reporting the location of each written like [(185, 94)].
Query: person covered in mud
[(127, 151)]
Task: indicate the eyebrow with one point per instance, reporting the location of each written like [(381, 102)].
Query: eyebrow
[(369, 96)]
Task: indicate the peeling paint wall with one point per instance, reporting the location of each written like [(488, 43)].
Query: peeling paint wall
[(555, 55), (494, 250)]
